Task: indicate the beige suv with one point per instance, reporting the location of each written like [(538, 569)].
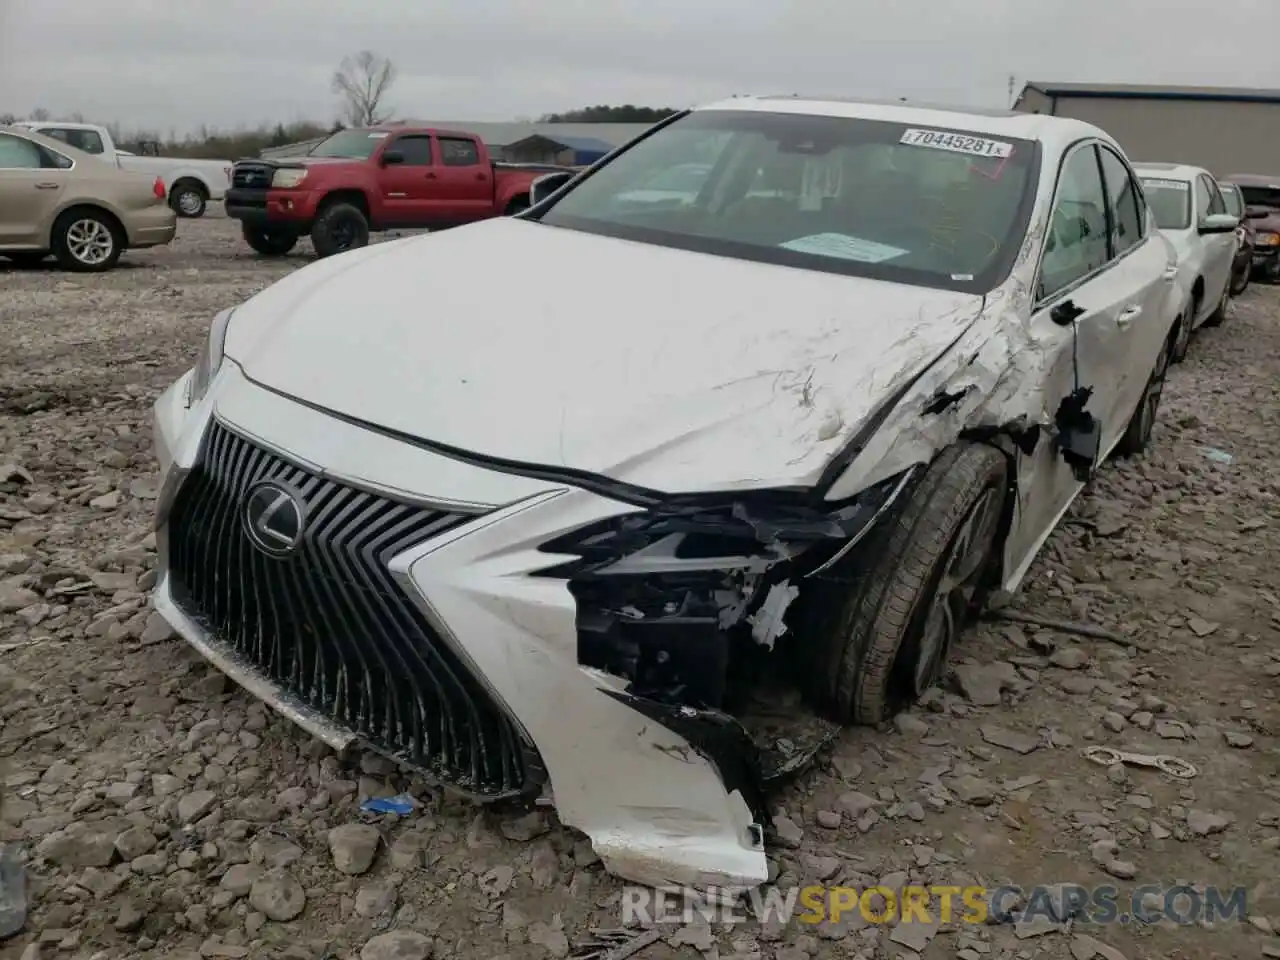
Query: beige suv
[(55, 199)]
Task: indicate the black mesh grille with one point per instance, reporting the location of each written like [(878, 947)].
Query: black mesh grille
[(329, 623), (254, 175)]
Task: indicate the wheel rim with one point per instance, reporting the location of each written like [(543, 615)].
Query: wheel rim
[(962, 571), (343, 233), (90, 242), (1151, 397), (189, 202)]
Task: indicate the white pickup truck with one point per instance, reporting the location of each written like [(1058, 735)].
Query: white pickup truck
[(190, 184)]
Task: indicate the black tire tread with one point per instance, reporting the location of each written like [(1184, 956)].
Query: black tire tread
[(320, 234), (876, 621)]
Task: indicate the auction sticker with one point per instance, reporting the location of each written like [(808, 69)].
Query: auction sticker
[(957, 143), (844, 247), (1155, 184)]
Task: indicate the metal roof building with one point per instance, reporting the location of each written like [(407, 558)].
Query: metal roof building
[(1223, 129)]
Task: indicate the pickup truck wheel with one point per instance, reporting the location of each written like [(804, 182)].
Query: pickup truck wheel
[(87, 241), (517, 205), (898, 607), (269, 243), (188, 199), (338, 228)]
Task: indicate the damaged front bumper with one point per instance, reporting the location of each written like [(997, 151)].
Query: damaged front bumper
[(505, 635)]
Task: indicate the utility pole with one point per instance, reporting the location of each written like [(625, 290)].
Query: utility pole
[(1012, 83)]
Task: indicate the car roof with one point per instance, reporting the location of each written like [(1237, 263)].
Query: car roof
[(58, 146), (60, 124), (1056, 133), (1171, 171)]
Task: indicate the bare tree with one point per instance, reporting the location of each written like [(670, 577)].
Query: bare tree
[(362, 81), (40, 114)]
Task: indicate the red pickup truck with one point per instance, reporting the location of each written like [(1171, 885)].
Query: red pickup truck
[(374, 178)]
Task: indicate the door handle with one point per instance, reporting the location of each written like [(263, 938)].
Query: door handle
[(1171, 272), (1128, 315), (431, 176), (481, 176), (46, 186)]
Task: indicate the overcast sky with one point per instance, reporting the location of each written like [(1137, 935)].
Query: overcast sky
[(175, 64)]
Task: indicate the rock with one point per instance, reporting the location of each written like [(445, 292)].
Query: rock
[(1087, 948), (974, 790), (278, 895), (1121, 868), (496, 881), (408, 851), (353, 847), (108, 501), (914, 934), (1069, 658), (828, 819), (14, 598), (134, 842), (130, 916), (398, 945), (789, 834), (1241, 741), (909, 725), (1201, 628), (550, 938), (1114, 721), (981, 684), (195, 805), (376, 899), (1170, 730), (1203, 823), (526, 828), (240, 878), (156, 631), (855, 803), (1017, 742)]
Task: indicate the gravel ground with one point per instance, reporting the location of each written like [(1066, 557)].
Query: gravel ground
[(166, 814)]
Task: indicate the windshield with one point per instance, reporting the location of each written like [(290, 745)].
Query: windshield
[(935, 207), (1262, 196), (1231, 196), (349, 144), (1170, 202)]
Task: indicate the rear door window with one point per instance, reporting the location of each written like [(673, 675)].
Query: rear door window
[(90, 141), (458, 152)]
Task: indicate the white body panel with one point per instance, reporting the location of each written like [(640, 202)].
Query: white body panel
[(402, 367)]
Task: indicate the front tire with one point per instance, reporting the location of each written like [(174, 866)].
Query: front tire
[(517, 205), (269, 242), (338, 228), (87, 241), (1240, 281), (188, 199), (917, 585), (1182, 338)]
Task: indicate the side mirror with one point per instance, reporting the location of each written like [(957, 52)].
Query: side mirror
[(546, 185), (1218, 223), (1257, 213), (392, 157)]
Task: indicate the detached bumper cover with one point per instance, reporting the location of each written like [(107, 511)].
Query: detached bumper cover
[(420, 633)]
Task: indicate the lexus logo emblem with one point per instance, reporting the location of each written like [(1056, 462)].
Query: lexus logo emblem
[(274, 518)]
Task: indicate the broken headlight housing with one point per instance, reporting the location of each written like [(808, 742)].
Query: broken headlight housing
[(664, 597), (210, 358)]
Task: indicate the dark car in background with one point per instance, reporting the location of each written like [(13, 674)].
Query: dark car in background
[(1246, 234), (1262, 211)]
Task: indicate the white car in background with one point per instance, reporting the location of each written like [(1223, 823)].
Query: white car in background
[(190, 184), (1190, 211), (566, 555)]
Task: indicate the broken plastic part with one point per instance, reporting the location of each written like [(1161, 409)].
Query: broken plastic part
[(1079, 434), (766, 623)]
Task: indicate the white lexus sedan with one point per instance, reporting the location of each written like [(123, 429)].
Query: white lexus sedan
[(553, 503), (1189, 209)]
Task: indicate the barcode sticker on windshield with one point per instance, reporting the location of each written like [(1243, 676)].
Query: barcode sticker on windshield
[(1151, 184), (843, 247), (378, 135), (957, 143)]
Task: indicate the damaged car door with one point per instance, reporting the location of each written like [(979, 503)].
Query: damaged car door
[(1085, 313)]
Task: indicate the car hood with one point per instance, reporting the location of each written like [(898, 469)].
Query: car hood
[(667, 369)]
